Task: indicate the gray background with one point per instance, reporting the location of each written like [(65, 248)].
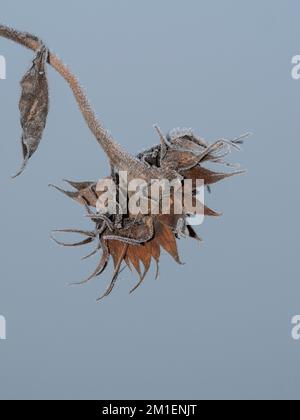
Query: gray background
[(218, 327)]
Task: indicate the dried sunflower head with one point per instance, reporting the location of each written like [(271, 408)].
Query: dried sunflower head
[(137, 241)]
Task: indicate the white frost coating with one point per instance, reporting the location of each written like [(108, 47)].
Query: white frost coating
[(178, 132)]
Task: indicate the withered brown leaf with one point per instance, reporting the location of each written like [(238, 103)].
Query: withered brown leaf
[(34, 105)]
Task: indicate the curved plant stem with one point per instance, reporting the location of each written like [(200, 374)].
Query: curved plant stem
[(118, 157)]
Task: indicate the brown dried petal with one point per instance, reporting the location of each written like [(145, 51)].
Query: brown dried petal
[(132, 258), (167, 240), (86, 196), (209, 177), (34, 105)]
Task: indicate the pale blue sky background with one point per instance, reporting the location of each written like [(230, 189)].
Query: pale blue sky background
[(218, 327)]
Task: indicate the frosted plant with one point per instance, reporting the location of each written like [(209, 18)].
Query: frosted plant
[(133, 239)]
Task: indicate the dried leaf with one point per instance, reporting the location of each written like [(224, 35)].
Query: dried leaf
[(80, 185), (132, 258), (155, 249), (115, 274), (116, 249), (99, 269), (167, 240), (193, 234), (144, 254), (84, 196), (34, 105), (179, 159), (209, 177)]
